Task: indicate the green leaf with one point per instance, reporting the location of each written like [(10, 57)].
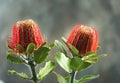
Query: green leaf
[(60, 46), (51, 46), (30, 48), (62, 79), (77, 64), (73, 49), (20, 48), (87, 78), (68, 78), (49, 66), (14, 58), (63, 61), (92, 57), (41, 54), (22, 75)]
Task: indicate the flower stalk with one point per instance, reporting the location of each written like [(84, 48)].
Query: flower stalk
[(32, 67), (73, 75)]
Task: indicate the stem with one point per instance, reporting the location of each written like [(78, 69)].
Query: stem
[(73, 74), (32, 66)]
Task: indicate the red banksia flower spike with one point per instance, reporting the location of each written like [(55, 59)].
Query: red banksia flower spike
[(84, 38), (23, 33)]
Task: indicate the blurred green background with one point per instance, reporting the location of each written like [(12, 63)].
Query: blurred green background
[(56, 19)]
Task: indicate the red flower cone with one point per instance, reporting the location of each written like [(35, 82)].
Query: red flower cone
[(24, 33), (84, 38)]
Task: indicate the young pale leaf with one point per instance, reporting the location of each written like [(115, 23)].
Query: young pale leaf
[(30, 48), (49, 66), (74, 51), (92, 57), (22, 75), (14, 58), (63, 61), (87, 78), (61, 47), (99, 47), (101, 55), (64, 40), (20, 48), (41, 54), (77, 64), (61, 79), (90, 54), (44, 44)]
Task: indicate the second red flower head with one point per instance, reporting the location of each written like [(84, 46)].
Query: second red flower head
[(84, 38)]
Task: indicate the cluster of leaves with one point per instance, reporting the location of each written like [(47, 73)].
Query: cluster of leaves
[(75, 63), (69, 63), (36, 56), (67, 79)]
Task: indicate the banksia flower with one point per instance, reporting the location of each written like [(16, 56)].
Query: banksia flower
[(23, 33), (84, 38)]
